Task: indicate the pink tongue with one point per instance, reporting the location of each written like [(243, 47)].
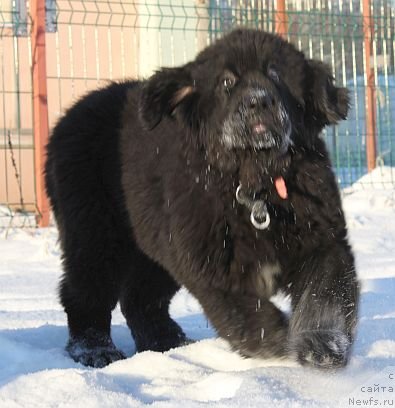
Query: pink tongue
[(281, 188)]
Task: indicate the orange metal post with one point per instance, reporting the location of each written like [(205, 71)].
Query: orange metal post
[(40, 106), (281, 19), (370, 96)]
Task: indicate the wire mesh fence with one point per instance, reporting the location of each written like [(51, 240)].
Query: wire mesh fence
[(16, 146), (91, 42)]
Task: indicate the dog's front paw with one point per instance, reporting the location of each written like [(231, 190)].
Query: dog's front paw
[(162, 343), (325, 349), (93, 350)]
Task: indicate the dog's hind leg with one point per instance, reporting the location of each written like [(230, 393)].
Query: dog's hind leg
[(325, 296), (145, 297), (95, 239), (93, 262)]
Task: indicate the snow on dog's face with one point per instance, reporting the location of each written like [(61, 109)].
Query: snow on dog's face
[(249, 93)]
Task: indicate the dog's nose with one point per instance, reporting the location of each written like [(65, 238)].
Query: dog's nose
[(259, 99)]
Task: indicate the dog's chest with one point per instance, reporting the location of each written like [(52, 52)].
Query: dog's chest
[(254, 263), (266, 278)]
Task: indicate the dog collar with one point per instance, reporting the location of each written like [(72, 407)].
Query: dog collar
[(260, 217)]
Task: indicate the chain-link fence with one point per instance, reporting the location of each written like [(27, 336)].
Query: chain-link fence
[(91, 42)]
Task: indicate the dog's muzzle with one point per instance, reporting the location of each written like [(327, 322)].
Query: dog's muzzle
[(260, 122)]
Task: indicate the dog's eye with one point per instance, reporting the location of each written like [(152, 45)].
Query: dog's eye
[(272, 73), (229, 82)]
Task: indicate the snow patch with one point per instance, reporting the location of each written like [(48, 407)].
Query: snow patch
[(383, 349)]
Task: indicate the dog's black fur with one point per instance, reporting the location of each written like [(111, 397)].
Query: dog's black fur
[(142, 178)]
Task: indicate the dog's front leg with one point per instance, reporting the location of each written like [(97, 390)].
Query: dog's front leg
[(253, 326), (325, 295)]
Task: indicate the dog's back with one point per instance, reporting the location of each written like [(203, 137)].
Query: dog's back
[(87, 135)]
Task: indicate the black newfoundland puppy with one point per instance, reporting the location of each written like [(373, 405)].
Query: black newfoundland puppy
[(212, 176)]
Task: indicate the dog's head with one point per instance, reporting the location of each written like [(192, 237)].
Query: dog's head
[(249, 92)]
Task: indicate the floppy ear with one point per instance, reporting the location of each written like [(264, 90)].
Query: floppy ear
[(162, 93), (325, 102)]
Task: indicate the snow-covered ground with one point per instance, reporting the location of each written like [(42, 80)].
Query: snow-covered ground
[(36, 372)]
